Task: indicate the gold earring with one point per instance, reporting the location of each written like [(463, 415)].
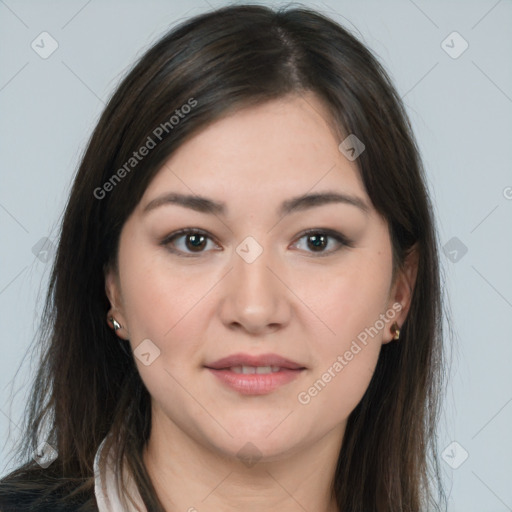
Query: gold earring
[(395, 331)]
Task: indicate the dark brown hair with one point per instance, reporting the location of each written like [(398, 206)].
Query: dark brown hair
[(87, 384)]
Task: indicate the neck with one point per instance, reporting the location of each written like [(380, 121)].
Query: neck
[(189, 476)]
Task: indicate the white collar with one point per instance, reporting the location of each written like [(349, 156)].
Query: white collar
[(107, 497)]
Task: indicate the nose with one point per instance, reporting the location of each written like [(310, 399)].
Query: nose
[(255, 298)]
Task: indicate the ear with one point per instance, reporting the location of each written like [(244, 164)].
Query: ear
[(114, 295), (402, 291)]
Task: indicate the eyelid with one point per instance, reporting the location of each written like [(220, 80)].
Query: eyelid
[(329, 232)]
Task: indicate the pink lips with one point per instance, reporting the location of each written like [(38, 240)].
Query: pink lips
[(255, 383), (248, 360)]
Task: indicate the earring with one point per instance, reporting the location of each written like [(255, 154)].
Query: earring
[(395, 331), (115, 323)]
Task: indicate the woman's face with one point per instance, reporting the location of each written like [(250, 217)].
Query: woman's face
[(254, 283)]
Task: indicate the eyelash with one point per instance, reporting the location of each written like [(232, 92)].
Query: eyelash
[(340, 238)]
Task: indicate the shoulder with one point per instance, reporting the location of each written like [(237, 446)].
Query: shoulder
[(33, 491)]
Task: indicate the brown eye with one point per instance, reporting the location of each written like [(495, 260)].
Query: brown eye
[(195, 242), (317, 240), (186, 242)]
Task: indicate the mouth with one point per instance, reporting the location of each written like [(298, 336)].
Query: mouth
[(255, 375)]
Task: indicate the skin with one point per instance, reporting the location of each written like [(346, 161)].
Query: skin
[(291, 301)]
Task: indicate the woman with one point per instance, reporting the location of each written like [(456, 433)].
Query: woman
[(244, 311)]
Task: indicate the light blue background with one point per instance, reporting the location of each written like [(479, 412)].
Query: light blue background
[(461, 111)]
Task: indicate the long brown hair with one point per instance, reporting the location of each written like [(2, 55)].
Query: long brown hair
[(87, 383)]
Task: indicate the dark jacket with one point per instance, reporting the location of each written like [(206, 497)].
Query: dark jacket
[(40, 494)]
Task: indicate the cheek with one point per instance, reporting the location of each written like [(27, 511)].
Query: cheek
[(335, 391), (352, 304), (345, 359), (352, 298), (163, 305)]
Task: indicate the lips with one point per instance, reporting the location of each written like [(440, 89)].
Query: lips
[(247, 360), (255, 375)]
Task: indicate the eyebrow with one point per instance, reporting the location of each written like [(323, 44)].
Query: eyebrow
[(300, 203)]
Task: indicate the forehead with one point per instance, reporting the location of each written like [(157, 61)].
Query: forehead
[(281, 148)]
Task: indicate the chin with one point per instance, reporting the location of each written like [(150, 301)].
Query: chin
[(254, 442)]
